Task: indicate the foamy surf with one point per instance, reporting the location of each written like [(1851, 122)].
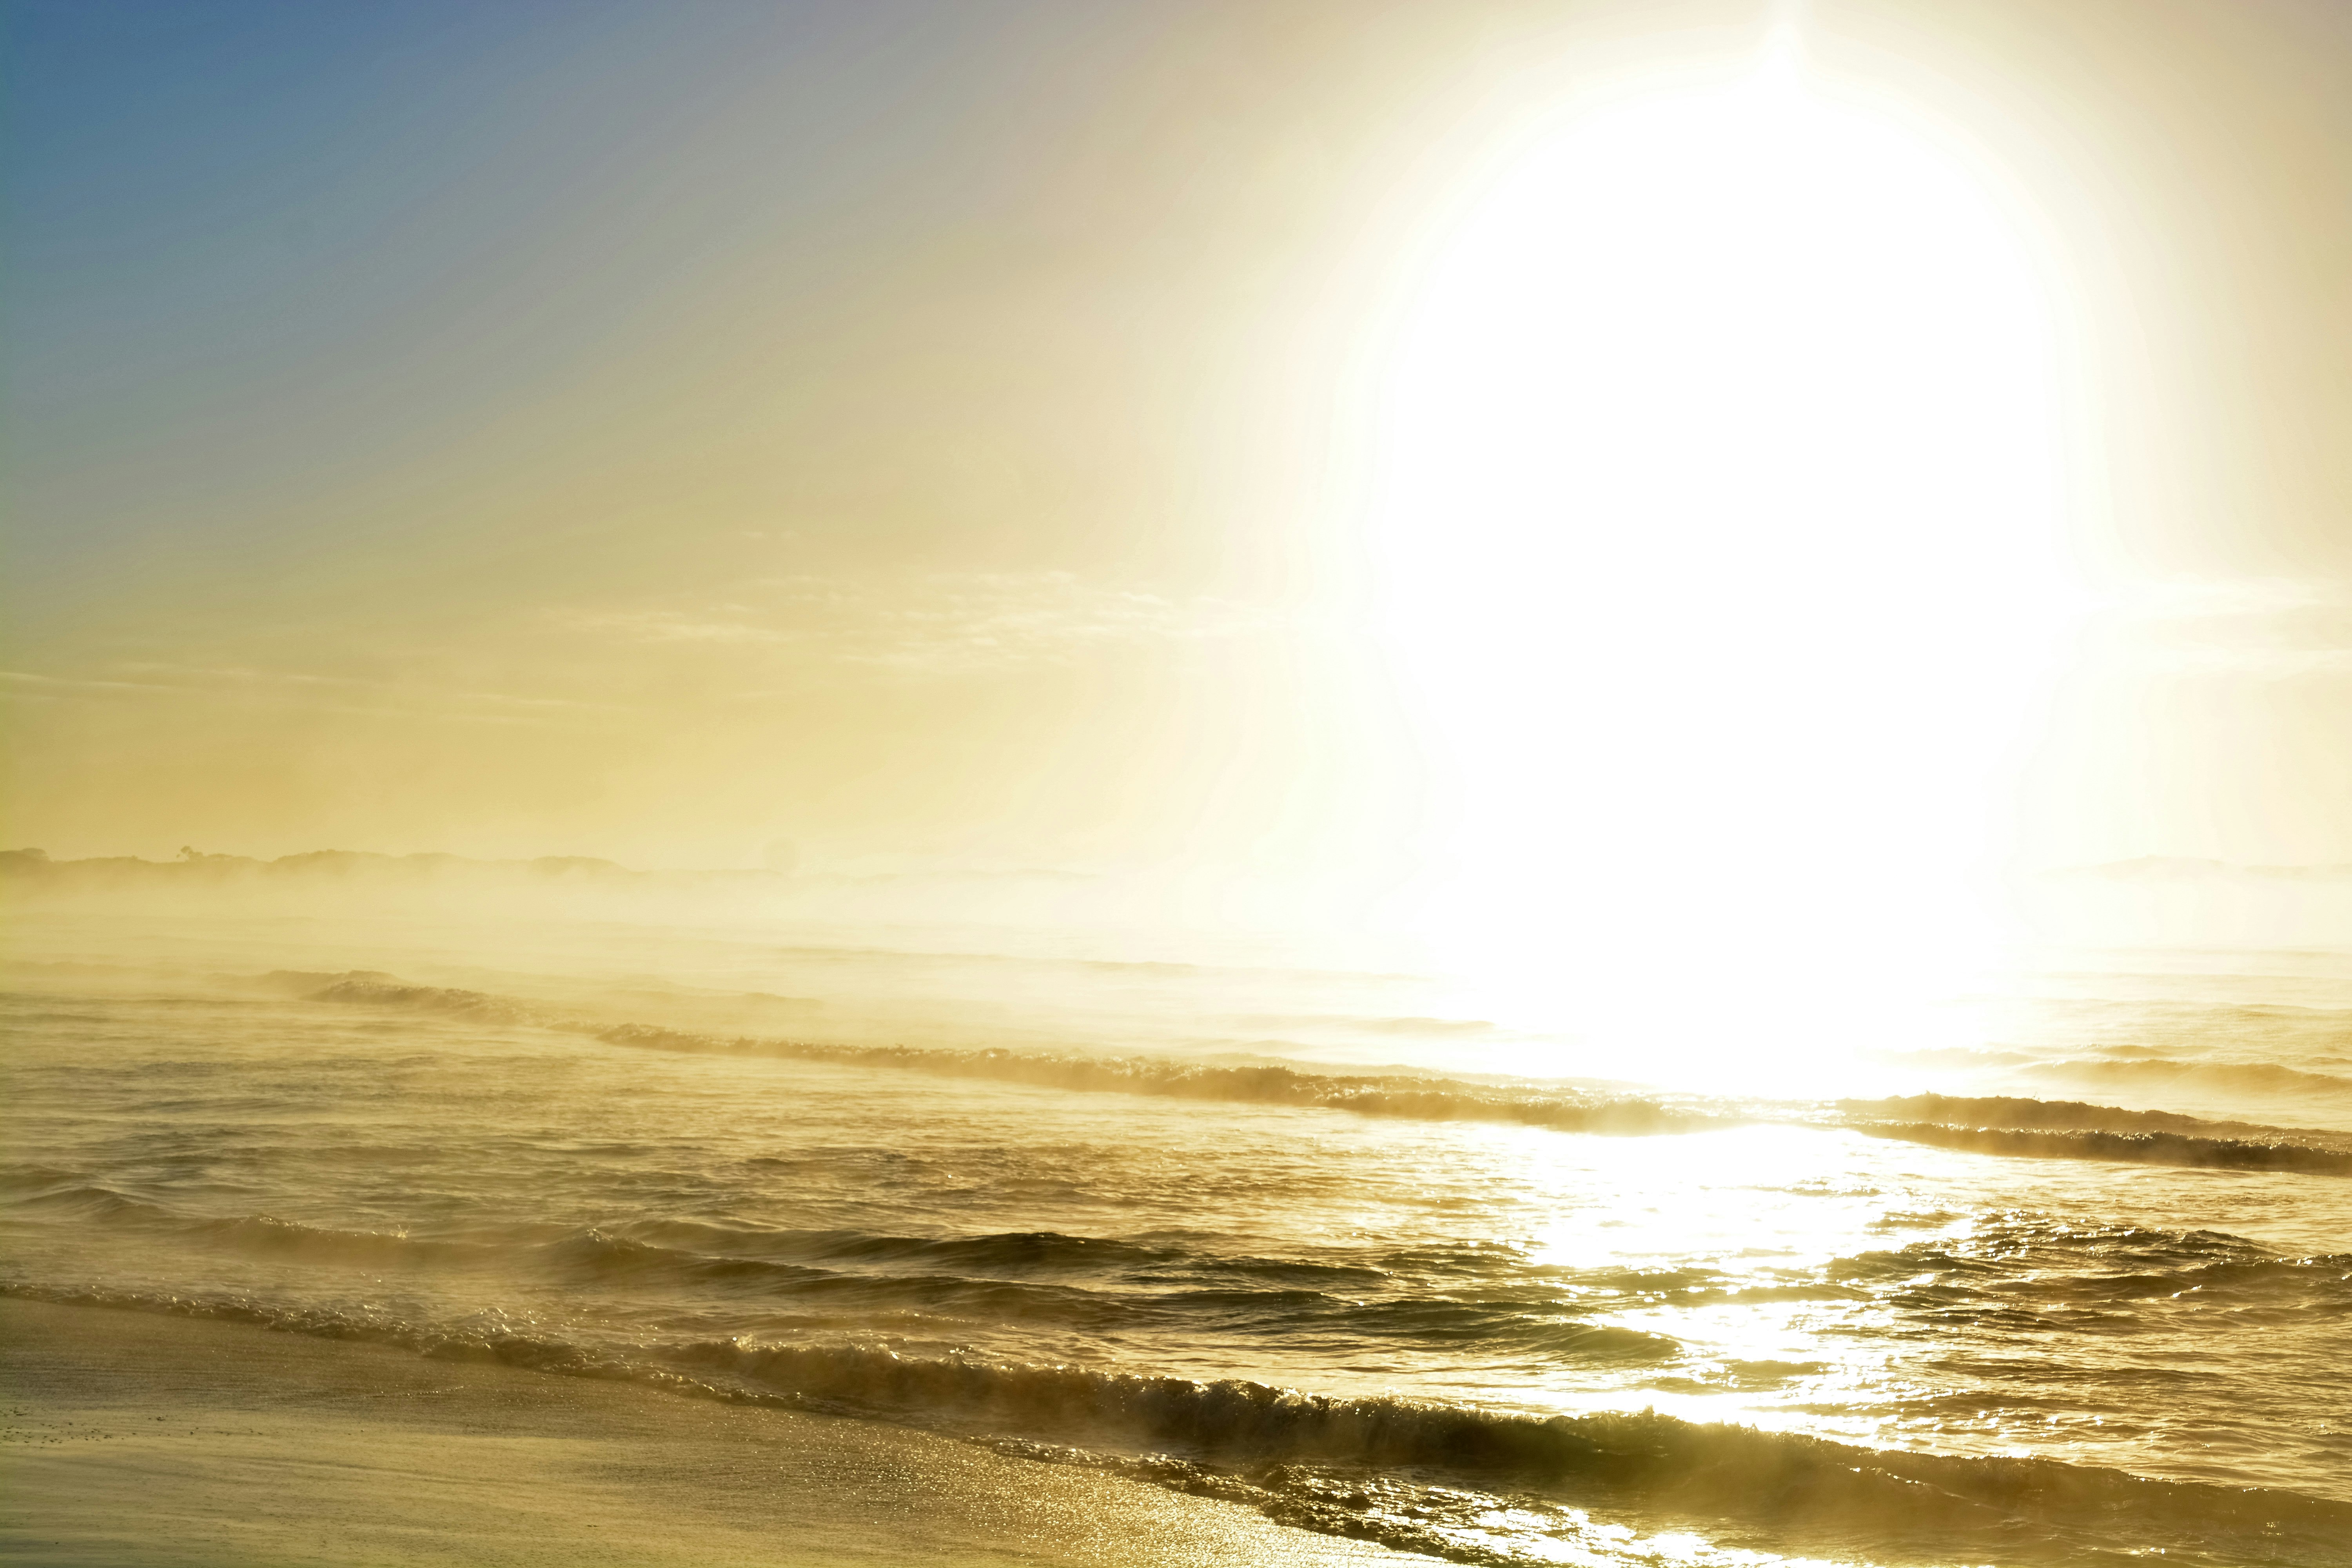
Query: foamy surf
[(1421, 1477), (1983, 1124), (1496, 1320)]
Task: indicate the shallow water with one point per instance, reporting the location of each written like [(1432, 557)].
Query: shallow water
[(1427, 1308)]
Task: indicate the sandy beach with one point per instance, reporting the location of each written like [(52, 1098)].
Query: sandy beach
[(132, 1439)]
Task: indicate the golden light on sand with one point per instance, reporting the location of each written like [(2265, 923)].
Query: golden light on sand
[(1719, 512)]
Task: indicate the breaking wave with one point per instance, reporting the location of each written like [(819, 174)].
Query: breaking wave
[(2010, 1111), (2139, 1148), (2071, 1129), (1395, 1469), (382, 991), (1415, 1098), (2002, 1125), (1406, 1096)]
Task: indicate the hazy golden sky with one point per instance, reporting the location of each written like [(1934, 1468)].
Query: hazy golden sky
[(944, 435)]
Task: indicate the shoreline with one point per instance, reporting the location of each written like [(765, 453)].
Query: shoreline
[(129, 1439)]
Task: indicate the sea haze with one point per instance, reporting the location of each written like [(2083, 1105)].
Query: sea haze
[(1234, 1229), (1176, 783)]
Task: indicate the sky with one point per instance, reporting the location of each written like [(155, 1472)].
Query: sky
[(1350, 443)]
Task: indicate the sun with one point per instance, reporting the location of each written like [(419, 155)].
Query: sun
[(1720, 474)]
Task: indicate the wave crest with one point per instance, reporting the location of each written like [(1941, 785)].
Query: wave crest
[(1329, 1463), (2004, 1125), (2139, 1148)]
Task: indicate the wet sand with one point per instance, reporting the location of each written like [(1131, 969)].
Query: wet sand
[(129, 1440)]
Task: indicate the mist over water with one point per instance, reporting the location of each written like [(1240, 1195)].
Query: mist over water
[(1554, 784), (1312, 1238)]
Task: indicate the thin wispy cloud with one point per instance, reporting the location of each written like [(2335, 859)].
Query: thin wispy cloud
[(946, 623)]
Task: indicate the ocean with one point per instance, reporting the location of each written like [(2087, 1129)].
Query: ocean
[(1329, 1243)]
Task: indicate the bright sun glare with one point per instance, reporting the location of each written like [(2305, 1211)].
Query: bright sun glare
[(1719, 511)]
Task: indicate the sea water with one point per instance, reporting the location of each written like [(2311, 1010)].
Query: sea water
[(1295, 1237)]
